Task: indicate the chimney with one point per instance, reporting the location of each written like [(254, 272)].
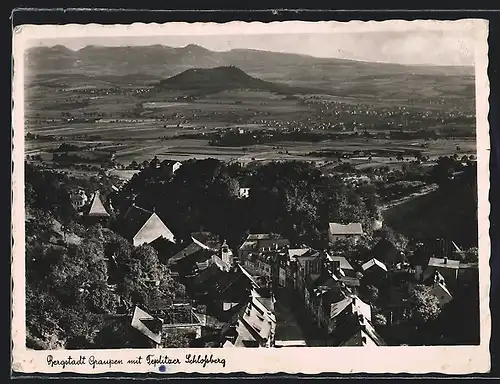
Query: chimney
[(445, 260), (336, 265)]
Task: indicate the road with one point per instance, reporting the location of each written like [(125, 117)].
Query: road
[(292, 322), (287, 327), (425, 191)]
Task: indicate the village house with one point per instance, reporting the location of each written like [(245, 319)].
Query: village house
[(171, 166), (148, 325), (350, 324), (258, 243), (60, 235), (181, 318), (220, 290), (96, 213), (439, 289), (374, 271), (323, 291), (338, 232), (79, 199), (446, 267), (244, 193), (206, 240), (186, 262), (261, 255), (255, 326), (335, 274), (303, 266), (144, 226)]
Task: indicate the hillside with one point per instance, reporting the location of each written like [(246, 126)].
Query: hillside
[(438, 214), (217, 79)]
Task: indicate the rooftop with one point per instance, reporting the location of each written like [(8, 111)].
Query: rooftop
[(373, 262), (97, 207), (135, 218), (294, 252), (146, 324), (444, 263), (345, 229), (344, 264)]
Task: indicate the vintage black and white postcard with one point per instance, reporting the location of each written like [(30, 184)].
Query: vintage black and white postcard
[(297, 197)]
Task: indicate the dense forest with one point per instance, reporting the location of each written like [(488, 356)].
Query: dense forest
[(289, 198)]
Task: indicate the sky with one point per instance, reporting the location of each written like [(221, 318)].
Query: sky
[(448, 44)]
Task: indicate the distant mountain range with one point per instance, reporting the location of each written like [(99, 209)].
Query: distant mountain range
[(153, 64), (163, 61)]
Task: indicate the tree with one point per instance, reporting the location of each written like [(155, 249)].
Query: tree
[(423, 305), (372, 294), (379, 319), (470, 255)]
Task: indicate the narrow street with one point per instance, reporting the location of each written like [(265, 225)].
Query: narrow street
[(290, 326)]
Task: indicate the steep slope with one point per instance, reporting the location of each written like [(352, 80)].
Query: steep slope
[(215, 79)]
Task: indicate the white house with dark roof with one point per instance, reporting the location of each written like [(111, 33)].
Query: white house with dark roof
[(350, 324), (145, 226), (440, 290), (446, 267), (256, 324), (338, 232)]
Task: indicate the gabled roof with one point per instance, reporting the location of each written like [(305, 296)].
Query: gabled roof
[(310, 256), (97, 207), (206, 274), (347, 229), (135, 218), (344, 264), (148, 325), (192, 252), (443, 288), (338, 307), (206, 240), (153, 228), (373, 262), (249, 276), (359, 307)]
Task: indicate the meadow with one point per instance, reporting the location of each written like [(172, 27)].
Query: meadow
[(141, 122)]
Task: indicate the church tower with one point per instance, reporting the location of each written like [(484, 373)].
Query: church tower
[(226, 254)]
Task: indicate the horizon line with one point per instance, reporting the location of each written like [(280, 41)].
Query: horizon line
[(250, 49)]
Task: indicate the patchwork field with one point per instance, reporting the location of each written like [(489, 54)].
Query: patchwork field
[(139, 119)]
